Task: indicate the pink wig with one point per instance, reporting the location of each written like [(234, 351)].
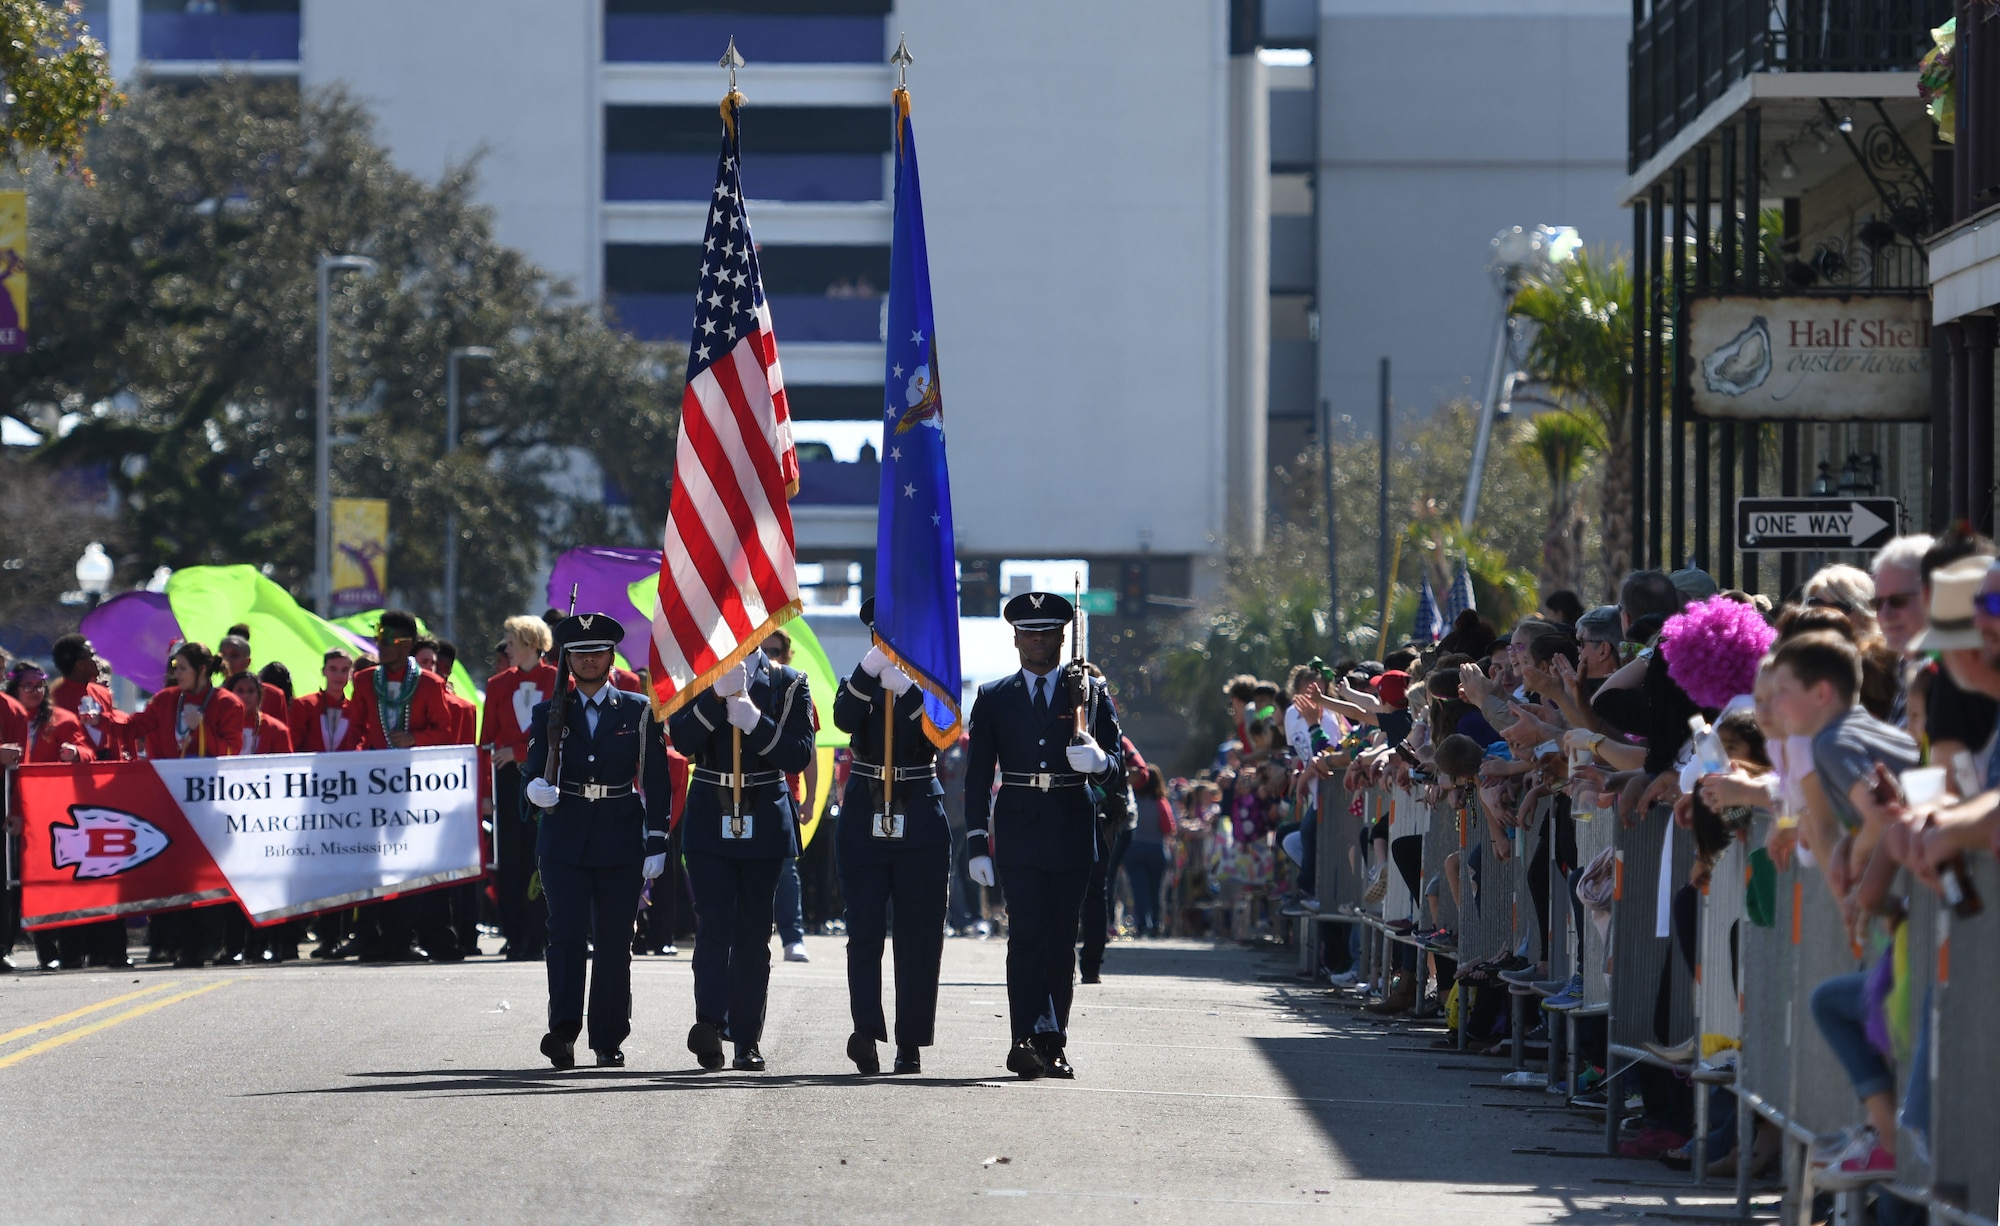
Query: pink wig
[(1712, 648)]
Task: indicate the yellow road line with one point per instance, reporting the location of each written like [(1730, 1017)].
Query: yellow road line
[(71, 1036), (73, 1014)]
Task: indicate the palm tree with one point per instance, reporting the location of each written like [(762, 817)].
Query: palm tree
[(1562, 442), (1582, 348)]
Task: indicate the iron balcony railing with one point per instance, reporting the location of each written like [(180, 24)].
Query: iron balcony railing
[(1687, 53)]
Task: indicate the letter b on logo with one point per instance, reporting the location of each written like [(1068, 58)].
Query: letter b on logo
[(112, 843)]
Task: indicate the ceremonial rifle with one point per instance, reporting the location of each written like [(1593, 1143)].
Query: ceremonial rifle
[(559, 707)]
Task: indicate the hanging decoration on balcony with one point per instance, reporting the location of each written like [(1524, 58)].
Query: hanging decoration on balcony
[(1937, 79)]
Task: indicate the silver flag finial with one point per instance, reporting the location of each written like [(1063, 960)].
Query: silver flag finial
[(902, 60), (732, 59)]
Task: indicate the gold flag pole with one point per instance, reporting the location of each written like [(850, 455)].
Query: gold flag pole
[(732, 59)]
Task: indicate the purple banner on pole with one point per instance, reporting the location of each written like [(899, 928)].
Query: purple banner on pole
[(134, 631), (603, 578)]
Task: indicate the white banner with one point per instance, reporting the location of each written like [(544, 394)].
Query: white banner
[(298, 833)]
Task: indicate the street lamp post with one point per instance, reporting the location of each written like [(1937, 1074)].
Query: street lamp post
[(322, 459), (1517, 253), (451, 361)]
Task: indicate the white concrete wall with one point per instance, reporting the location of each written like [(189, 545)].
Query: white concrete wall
[(1073, 159), (513, 80), (1442, 121)]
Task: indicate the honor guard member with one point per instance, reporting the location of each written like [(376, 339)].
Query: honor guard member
[(1041, 830), (603, 835), (744, 734), (893, 848)]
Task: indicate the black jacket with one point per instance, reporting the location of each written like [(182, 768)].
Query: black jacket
[(1053, 829), (782, 741), (858, 711), (617, 830)]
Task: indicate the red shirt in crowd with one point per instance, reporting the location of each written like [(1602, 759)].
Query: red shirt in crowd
[(510, 700), (13, 723), (272, 735), (319, 722), (108, 738), (464, 718), (219, 735), (430, 721), (52, 729)]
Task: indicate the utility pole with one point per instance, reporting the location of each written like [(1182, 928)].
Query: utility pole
[(1332, 554), (1382, 576)]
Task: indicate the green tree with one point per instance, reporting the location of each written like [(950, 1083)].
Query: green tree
[(57, 84), (1582, 348), (1561, 443), (176, 348)]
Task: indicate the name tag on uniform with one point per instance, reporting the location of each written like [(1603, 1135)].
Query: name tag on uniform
[(887, 826), (736, 827)]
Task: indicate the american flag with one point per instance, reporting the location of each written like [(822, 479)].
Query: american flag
[(729, 572), (1430, 623), (1460, 598)]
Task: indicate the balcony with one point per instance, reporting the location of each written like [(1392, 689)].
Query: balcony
[(1686, 54), (800, 178), (798, 318), (219, 37), (769, 38)]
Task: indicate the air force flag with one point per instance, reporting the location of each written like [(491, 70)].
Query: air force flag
[(916, 568)]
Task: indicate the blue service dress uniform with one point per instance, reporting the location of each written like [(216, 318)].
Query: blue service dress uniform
[(882, 862), (733, 867), (592, 849), (1041, 830)]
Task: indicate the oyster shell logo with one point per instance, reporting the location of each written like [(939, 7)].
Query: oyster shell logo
[(1742, 363), (104, 842)]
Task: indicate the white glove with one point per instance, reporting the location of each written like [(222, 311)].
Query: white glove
[(742, 713), (543, 794), (731, 682), (981, 868), (655, 865), (1088, 758), (896, 681), (873, 662)]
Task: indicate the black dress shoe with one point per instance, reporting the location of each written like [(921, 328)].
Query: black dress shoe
[(1049, 1047), (611, 1059), (908, 1059), (861, 1050), (705, 1041), (1090, 977), (560, 1051), (748, 1060), (1024, 1063)]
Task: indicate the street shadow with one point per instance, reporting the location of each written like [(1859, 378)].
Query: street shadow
[(509, 1083), (1379, 1094), (1257, 962)]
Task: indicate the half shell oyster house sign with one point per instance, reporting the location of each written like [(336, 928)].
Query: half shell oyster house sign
[(1812, 359)]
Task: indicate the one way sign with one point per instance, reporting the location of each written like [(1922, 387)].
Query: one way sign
[(1776, 525)]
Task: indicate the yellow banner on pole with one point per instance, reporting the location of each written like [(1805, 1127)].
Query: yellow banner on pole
[(360, 554), (14, 272)]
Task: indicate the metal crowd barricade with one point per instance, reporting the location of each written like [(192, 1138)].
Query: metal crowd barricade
[(1822, 1099), (1644, 962), (1440, 840), (1487, 918), (1717, 1005), (1770, 1015), (1338, 876), (1965, 1052)]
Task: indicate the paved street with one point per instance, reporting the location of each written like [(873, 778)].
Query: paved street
[(1210, 1085)]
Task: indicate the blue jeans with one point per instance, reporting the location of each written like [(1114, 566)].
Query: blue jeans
[(1146, 869), (1836, 1006), (791, 915)]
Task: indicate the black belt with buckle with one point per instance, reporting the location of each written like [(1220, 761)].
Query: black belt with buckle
[(597, 791), (1043, 781), (868, 770), (725, 779)]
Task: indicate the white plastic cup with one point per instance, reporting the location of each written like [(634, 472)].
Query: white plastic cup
[(1923, 784)]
